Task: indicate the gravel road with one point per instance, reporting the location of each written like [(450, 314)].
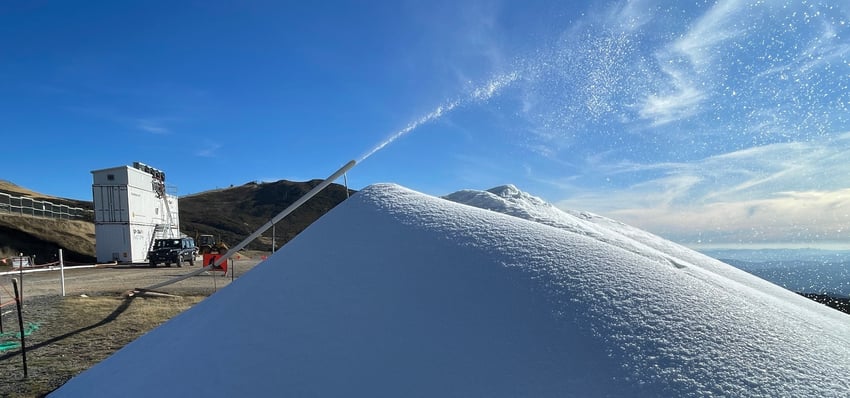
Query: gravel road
[(120, 278)]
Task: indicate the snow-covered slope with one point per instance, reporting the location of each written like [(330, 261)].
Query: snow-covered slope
[(510, 200), (395, 293)]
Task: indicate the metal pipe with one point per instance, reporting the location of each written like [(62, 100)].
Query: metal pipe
[(233, 250), (18, 302)]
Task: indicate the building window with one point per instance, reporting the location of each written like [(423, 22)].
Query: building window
[(110, 177)]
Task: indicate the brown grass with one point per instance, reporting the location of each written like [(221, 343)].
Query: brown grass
[(72, 235), (7, 186), (77, 332)]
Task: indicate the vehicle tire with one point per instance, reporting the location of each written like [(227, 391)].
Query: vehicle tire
[(192, 261), (153, 264), (179, 262)]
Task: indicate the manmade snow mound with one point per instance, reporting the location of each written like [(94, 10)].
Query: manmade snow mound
[(395, 293)]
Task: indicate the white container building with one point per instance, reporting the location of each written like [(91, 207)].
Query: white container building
[(131, 209)]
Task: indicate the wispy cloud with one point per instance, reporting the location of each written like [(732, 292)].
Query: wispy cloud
[(713, 28), (716, 124), (152, 126), (208, 150), (688, 64), (631, 15), (743, 66), (822, 50), (785, 217), (774, 193), (592, 74), (681, 103), (827, 48)]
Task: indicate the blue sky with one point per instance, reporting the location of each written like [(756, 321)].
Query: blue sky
[(712, 123)]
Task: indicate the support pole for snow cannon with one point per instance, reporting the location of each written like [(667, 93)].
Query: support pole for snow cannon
[(233, 250)]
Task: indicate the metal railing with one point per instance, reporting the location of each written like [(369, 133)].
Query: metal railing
[(27, 206)]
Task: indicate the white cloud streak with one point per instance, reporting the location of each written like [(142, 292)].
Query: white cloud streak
[(827, 48), (631, 15), (787, 217), (688, 64), (738, 74), (209, 150), (681, 103), (151, 126), (712, 29), (795, 192)]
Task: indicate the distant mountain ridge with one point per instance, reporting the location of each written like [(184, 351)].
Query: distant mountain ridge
[(766, 255), (812, 277)]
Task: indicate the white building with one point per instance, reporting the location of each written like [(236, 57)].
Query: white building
[(131, 209)]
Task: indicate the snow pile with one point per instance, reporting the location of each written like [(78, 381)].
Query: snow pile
[(396, 293), (508, 199)]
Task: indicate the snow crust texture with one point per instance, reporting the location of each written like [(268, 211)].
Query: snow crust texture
[(395, 293)]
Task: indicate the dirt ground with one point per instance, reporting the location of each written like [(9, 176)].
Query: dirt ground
[(66, 335)]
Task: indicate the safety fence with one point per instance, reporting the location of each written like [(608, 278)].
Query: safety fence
[(27, 206)]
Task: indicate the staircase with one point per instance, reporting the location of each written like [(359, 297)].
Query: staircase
[(162, 231), (168, 220)]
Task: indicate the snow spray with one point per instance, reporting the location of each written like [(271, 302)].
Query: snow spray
[(480, 94)]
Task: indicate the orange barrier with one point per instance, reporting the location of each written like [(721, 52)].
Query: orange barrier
[(209, 259)]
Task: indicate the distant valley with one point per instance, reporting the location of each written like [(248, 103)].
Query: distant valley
[(801, 270)]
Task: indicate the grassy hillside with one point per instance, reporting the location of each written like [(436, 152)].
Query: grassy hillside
[(234, 213), (16, 190), (230, 214), (43, 237)]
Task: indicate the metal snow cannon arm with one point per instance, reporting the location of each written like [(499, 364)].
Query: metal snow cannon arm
[(264, 228)]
